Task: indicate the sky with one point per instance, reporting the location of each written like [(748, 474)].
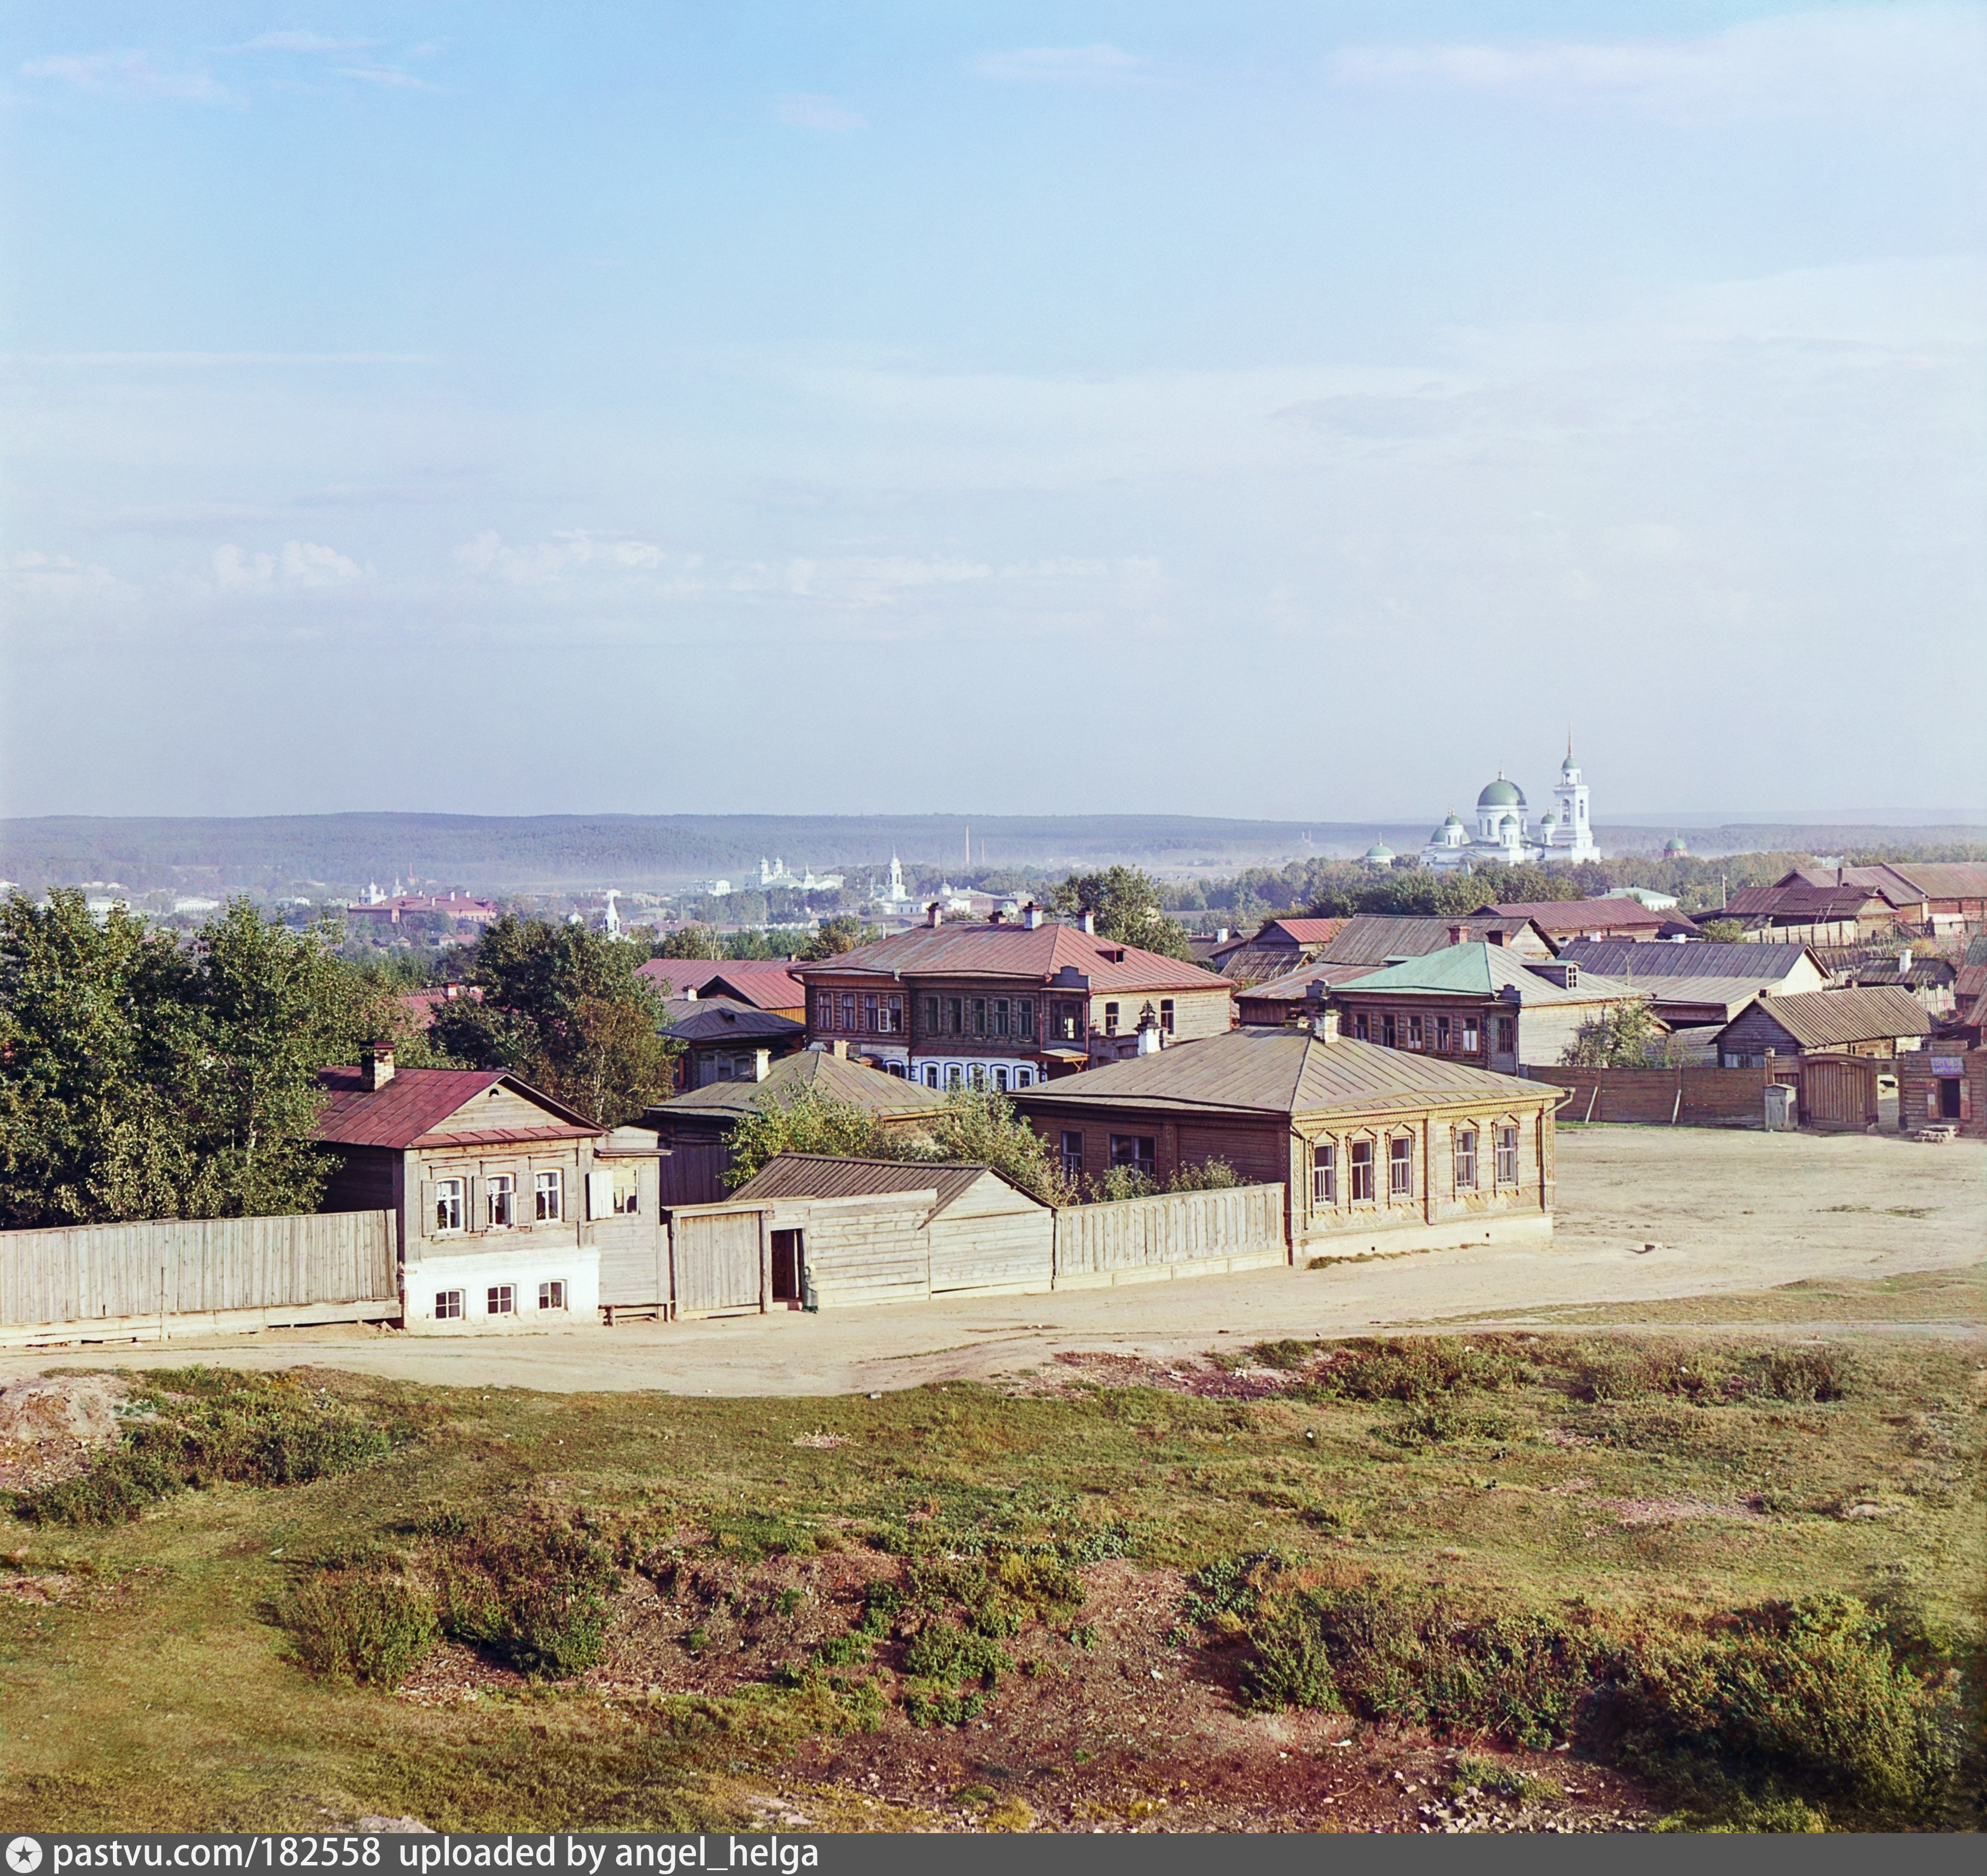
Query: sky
[(1266, 409)]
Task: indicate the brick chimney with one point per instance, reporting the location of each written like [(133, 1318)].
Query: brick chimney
[(934, 915), (762, 1064), (1087, 922), (376, 1068), (1459, 934), (1031, 915)]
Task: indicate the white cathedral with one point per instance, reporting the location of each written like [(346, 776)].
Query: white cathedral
[(1504, 836)]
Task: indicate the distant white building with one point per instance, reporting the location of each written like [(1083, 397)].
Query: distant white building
[(778, 875), (1503, 835)]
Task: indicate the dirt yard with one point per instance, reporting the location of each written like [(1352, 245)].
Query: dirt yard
[(1647, 1216)]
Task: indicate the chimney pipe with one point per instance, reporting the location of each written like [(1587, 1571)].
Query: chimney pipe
[(376, 1068), (1458, 935), (1087, 922), (1221, 934), (1031, 915), (934, 915), (762, 1064)]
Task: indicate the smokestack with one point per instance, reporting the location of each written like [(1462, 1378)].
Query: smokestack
[(1458, 935), (1221, 934), (376, 1068)]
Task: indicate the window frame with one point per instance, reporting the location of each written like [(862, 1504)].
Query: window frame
[(551, 1293), (621, 1171), (549, 1183), (1072, 1156), (1024, 1012), (1463, 1147), (500, 1191), (1125, 1151), (1359, 1158), (1166, 1016), (1400, 1167), (1507, 1138), (451, 1202), (448, 1305), (500, 1300), (1324, 1172)]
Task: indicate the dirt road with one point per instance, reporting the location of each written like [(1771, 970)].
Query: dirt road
[(1727, 1212)]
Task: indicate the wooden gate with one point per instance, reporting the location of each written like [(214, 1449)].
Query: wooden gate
[(717, 1260), (1838, 1091)]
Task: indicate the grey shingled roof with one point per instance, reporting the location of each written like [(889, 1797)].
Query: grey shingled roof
[(1696, 957), (1282, 1071), (1371, 939), (723, 1019), (1823, 1019), (823, 1175)]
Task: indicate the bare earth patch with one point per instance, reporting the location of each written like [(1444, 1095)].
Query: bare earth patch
[(53, 1426)]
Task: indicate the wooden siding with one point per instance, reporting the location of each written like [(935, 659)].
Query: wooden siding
[(501, 1107), (693, 1172), (85, 1274), (717, 1260), (992, 1237), (1160, 1237), (869, 1249)]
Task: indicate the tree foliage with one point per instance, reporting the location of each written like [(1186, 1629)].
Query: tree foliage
[(1626, 1035), (1128, 906), (563, 1008), (842, 932), (698, 941), (143, 1077)]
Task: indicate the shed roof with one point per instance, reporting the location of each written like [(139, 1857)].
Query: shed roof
[(833, 1075), (417, 1100), (1371, 938), (724, 1019), (1802, 901), (1566, 917), (1628, 957), (1824, 1019), (1015, 951), (1283, 1071), (822, 1176), (1486, 970)]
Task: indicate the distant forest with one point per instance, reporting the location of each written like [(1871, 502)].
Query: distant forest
[(339, 854)]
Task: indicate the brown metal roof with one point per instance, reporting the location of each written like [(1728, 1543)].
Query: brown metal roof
[(821, 1175), (415, 1102), (1628, 957), (1557, 917), (1282, 1071), (1826, 1019), (1824, 902), (1294, 987), (835, 1076), (1371, 939), (1014, 951), (764, 984), (724, 1019)]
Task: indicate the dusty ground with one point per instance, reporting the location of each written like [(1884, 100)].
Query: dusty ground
[(1729, 1212)]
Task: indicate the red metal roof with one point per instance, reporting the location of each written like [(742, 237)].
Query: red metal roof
[(1015, 951), (766, 984), (507, 1136), (1553, 915), (1304, 931), (415, 1102)]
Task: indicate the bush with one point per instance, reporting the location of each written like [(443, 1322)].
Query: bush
[(530, 1589), (1416, 1367), (362, 1626), (208, 1427), (943, 1651), (1507, 1781), (1434, 1422)]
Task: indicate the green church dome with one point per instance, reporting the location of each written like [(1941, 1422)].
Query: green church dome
[(1502, 793)]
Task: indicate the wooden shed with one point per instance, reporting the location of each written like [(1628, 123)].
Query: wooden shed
[(1880, 1021), (893, 1231)]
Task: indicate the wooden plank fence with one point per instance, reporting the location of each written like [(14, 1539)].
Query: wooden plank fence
[(717, 1260), (322, 1266), (1174, 1233)]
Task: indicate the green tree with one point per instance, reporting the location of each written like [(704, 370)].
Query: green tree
[(1128, 908), (842, 932), (144, 1077), (983, 1127), (1723, 931), (1626, 1035), (698, 941), (806, 1120), (563, 1008)]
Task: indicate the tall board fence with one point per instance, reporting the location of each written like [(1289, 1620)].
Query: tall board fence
[(151, 1277), (1664, 1097), (1171, 1234)]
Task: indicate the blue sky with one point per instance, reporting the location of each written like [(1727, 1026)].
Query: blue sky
[(1277, 409)]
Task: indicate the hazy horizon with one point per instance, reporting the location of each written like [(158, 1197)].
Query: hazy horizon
[(1085, 409)]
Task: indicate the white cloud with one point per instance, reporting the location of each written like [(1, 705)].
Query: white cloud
[(811, 111), (299, 563), (127, 74), (57, 577), (577, 551), (302, 42), (1064, 65), (1908, 59), (388, 77)]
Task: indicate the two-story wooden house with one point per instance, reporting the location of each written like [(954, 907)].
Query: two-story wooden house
[(504, 1200), (1007, 1005)]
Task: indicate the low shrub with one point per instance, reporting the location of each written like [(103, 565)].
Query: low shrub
[(1507, 1781), (1416, 1367), (205, 1427), (943, 1651), (1437, 1422), (529, 1587), (1233, 1586), (361, 1626)]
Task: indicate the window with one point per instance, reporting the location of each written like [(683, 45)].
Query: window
[(1465, 1159), (1387, 1029), (1166, 1015), (954, 1009), (869, 1016), (1445, 1037), (1325, 1174), (503, 1201), (448, 1205), (825, 1009), (1507, 1035), (1000, 1079), (980, 1077), (627, 1191), (893, 1017), (931, 1016), (1416, 1038), (1024, 1078), (1072, 1155), (931, 1075), (1025, 1010), (1573, 977), (448, 1305), (1362, 1028), (550, 1296), (503, 1299), (1000, 1016), (848, 1011), (1507, 1155), (1067, 1022), (1362, 1172), (952, 1076), (1138, 1151), (979, 1016), (548, 1197), (1400, 1167), (1470, 1039), (1111, 1019)]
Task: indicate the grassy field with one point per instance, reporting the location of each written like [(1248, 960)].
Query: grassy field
[(1125, 1595)]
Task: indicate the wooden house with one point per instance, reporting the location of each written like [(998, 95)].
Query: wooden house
[(1700, 984), (763, 984), (1563, 919), (1479, 1003), (1004, 1005), (1373, 940), (1279, 947), (855, 1231), (1372, 1145), (1883, 1021), (502, 1207), (726, 1041)]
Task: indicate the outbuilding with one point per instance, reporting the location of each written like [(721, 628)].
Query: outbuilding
[(1882, 1022)]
